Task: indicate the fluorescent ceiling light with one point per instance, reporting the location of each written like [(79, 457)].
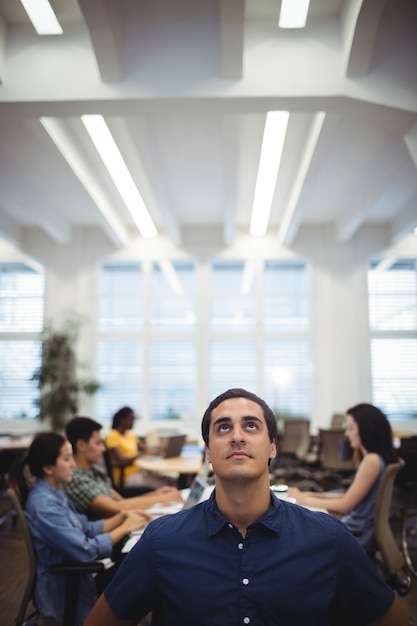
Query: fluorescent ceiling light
[(271, 153), (117, 168), (172, 277), (113, 225), (293, 13), (42, 17)]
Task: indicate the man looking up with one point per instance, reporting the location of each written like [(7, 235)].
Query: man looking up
[(90, 489), (244, 556)]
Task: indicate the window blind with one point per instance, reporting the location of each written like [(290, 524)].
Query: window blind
[(21, 321), (393, 327)]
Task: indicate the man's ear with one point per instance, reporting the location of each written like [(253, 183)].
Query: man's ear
[(274, 450), (80, 445), (207, 453)]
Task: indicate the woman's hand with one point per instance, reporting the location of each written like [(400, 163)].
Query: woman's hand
[(135, 520)]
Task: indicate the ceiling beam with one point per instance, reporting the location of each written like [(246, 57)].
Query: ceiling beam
[(360, 23), (2, 49), (111, 223), (140, 171), (410, 139), (10, 229), (55, 226), (230, 149), (103, 22), (232, 27), (405, 221), (292, 216), (382, 170)]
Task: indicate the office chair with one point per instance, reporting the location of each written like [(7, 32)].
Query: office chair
[(338, 420), (72, 571), (393, 563), (119, 486), (335, 471), (293, 457)]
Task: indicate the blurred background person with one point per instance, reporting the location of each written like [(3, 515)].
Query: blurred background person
[(123, 446), (59, 533), (90, 489), (369, 433)]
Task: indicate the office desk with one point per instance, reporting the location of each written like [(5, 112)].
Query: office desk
[(185, 466)]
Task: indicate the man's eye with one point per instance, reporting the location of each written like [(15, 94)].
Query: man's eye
[(251, 426), (223, 428)]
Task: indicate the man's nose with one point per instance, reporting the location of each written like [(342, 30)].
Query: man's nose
[(238, 434)]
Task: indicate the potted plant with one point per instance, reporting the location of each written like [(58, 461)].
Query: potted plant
[(60, 387)]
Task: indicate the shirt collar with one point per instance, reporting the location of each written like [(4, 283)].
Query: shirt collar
[(216, 521)]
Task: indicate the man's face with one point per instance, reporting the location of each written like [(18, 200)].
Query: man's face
[(94, 448), (239, 444)]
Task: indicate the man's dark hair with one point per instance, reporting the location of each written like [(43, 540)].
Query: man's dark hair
[(81, 428), (269, 415)]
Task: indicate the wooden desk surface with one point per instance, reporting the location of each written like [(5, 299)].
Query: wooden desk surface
[(177, 464)]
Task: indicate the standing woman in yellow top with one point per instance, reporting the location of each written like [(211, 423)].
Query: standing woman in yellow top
[(124, 449)]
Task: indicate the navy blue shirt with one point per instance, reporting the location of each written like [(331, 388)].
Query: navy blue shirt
[(294, 567)]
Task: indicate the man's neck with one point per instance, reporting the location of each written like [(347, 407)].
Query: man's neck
[(80, 461), (243, 502)]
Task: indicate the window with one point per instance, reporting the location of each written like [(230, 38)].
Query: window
[(262, 343), (145, 356), (232, 310), (169, 340), (393, 327), (120, 298), (172, 378), (21, 322), (173, 297)]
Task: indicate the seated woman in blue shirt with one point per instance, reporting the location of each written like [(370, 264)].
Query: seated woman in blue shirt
[(59, 533), (369, 433)]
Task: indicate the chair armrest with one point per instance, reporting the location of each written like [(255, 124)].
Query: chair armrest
[(69, 567), (73, 572)]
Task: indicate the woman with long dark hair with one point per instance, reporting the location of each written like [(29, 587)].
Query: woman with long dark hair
[(369, 433), (59, 533)]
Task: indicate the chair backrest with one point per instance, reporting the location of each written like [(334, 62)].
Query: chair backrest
[(338, 420), (71, 570), (109, 467), (296, 437), (391, 554), (330, 457), (31, 571)]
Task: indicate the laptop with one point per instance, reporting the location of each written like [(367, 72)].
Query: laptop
[(172, 449), (174, 446), (197, 489)]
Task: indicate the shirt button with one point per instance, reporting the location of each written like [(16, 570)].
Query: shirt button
[(245, 581), (240, 546), (246, 620), (230, 525)]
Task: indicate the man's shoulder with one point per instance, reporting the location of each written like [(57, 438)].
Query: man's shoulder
[(184, 521), (316, 519)]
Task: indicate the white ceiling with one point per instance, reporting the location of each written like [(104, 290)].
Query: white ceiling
[(185, 87)]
